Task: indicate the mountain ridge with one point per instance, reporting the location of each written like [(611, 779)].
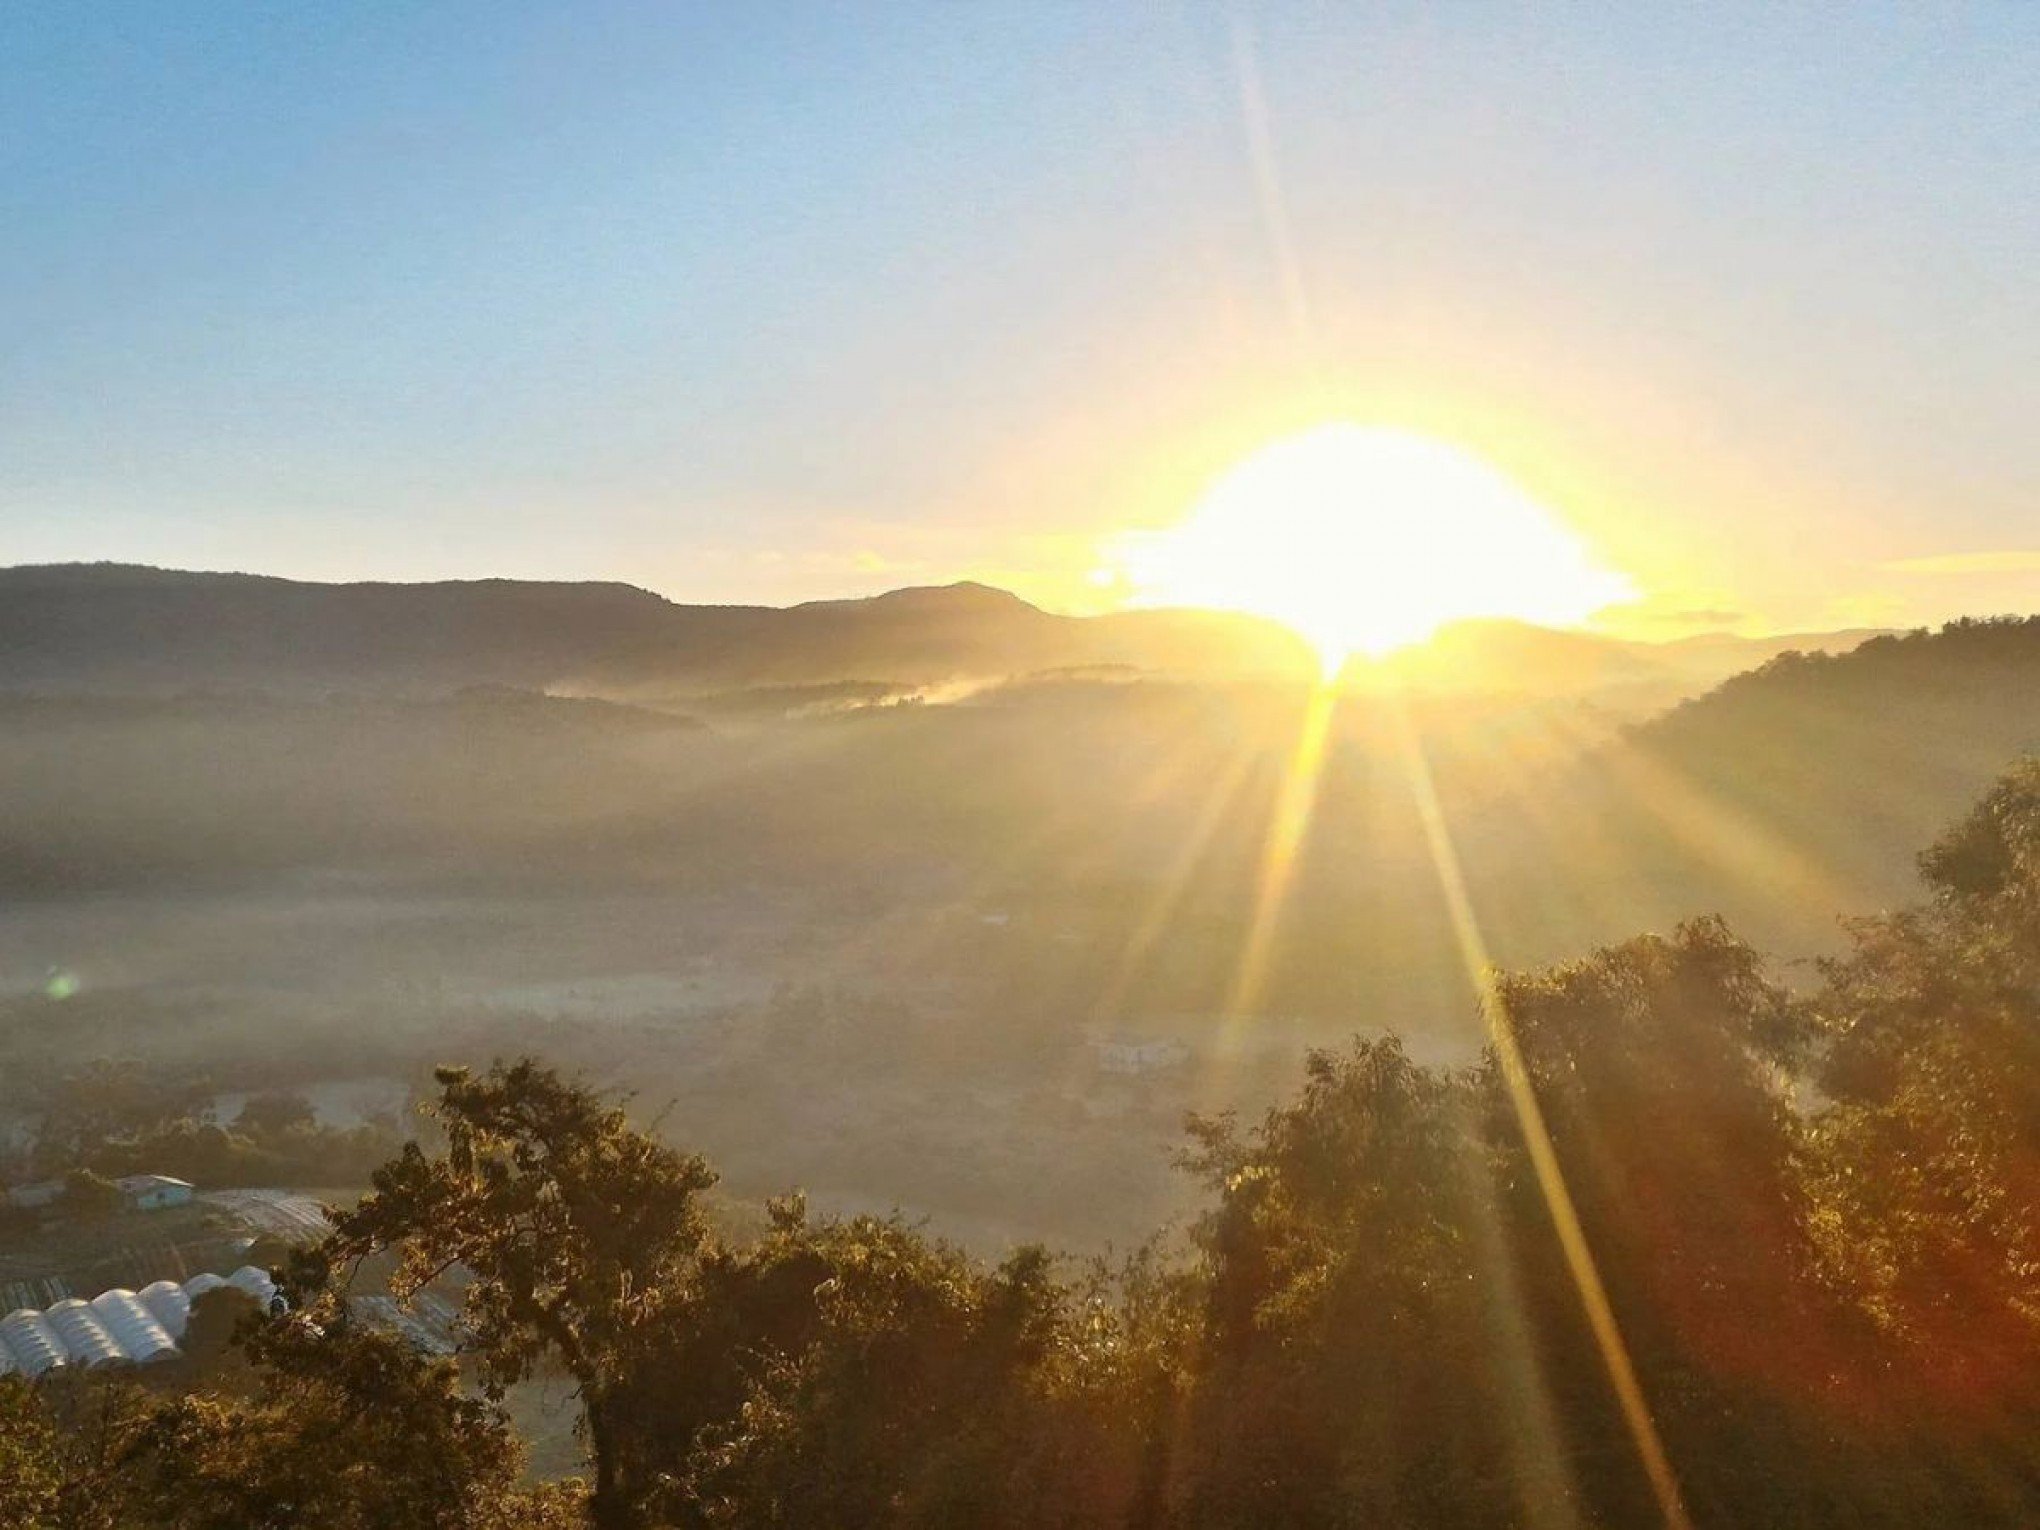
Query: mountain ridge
[(112, 627)]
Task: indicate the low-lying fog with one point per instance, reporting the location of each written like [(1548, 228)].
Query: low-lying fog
[(974, 960)]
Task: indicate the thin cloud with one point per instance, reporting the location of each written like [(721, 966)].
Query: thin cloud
[(1699, 616), (2013, 561), (1669, 614)]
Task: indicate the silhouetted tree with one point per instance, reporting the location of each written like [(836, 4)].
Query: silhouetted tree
[(1346, 1367), (912, 1387), (1928, 1158), (579, 1235), (112, 1101), (90, 1194), (1662, 1067), (347, 1431), (274, 1113)]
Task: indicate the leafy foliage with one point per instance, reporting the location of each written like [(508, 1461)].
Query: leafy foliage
[(579, 1234), (340, 1431)]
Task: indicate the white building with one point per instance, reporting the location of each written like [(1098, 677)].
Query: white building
[(152, 1192)]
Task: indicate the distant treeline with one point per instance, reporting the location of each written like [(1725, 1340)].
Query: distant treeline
[(1681, 1247), (112, 1118)]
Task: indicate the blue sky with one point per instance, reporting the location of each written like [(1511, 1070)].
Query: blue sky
[(777, 302)]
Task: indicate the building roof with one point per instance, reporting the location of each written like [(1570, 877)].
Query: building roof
[(135, 1184), (116, 1326)]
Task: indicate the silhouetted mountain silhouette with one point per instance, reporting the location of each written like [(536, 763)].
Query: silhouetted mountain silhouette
[(115, 628)]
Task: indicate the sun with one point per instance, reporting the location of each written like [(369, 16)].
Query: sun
[(1365, 539)]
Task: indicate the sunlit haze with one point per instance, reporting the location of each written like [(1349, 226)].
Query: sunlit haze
[(1363, 540)]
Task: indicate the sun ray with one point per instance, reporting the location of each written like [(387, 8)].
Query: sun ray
[(1544, 1162), (1295, 796), (1176, 880)]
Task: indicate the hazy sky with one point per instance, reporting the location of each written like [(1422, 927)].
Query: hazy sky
[(771, 302)]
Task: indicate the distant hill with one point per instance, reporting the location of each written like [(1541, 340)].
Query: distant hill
[(1518, 659), (117, 628), (122, 629), (1982, 671), (1801, 787), (1860, 752)]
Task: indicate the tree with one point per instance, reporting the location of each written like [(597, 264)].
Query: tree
[(109, 1102), (347, 1431), (828, 1373), (275, 1114), (885, 1378), (1928, 1148), (90, 1194), (579, 1235), (1661, 1067), (32, 1469), (1346, 1370), (329, 1429)]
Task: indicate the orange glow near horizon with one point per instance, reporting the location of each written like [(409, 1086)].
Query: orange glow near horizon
[(1365, 539)]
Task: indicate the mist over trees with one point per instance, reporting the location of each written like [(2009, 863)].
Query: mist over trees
[(1808, 1220), (414, 840)]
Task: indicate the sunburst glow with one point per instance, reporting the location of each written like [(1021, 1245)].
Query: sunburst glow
[(1367, 539)]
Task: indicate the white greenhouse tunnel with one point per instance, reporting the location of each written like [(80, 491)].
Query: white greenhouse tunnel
[(118, 1327)]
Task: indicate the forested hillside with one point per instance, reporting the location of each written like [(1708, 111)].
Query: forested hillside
[(1788, 791)]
